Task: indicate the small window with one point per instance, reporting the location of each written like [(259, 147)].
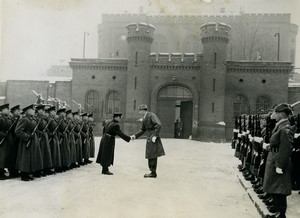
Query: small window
[(215, 60), (136, 58), (93, 77), (134, 105), (135, 82), (213, 108), (114, 77), (263, 81), (241, 80), (214, 85)]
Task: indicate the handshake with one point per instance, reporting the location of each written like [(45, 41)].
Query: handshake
[(153, 139)]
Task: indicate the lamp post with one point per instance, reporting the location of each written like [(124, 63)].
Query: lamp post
[(84, 34), (278, 40)]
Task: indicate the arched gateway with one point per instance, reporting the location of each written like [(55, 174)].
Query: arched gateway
[(173, 102)]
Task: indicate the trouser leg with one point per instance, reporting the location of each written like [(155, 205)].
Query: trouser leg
[(280, 204), (152, 163)]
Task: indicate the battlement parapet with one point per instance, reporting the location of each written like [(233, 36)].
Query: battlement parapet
[(172, 61), (140, 31), (213, 31), (102, 64), (258, 67), (127, 18)]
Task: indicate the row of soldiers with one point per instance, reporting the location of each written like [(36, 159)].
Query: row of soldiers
[(40, 140), (251, 138)]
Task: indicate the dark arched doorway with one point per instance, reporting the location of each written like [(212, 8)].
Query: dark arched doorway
[(175, 102)]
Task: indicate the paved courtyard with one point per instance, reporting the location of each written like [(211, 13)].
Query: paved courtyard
[(195, 179)]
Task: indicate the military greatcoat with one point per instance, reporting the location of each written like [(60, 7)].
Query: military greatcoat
[(6, 140), (151, 124), (29, 158), (107, 144), (282, 139)]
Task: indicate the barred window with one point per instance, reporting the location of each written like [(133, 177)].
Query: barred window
[(113, 103), (92, 101), (240, 105), (175, 92), (263, 103)]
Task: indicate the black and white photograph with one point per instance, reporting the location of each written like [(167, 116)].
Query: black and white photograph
[(149, 109)]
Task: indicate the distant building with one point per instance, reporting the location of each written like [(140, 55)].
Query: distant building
[(195, 82)]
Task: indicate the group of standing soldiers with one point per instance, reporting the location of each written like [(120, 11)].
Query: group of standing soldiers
[(269, 150), (40, 141)]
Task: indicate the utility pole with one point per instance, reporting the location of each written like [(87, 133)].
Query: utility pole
[(278, 47), (84, 34)]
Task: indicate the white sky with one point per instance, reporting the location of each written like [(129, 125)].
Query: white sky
[(39, 33)]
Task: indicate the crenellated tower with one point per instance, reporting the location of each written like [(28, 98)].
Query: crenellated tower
[(214, 37), (139, 38)]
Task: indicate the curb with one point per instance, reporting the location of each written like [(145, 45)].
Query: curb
[(259, 205)]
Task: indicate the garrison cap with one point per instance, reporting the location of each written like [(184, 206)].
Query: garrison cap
[(83, 114), (28, 107), (283, 107), (52, 108), (75, 113), (143, 107), (4, 106), (40, 107), (68, 111), (17, 107), (61, 110), (117, 115)]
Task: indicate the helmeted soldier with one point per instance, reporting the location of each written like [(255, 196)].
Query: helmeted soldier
[(29, 158), (154, 148), (6, 140), (107, 144)]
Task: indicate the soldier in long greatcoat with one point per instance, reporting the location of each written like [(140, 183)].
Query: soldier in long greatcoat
[(91, 135), (63, 139), (53, 139), (70, 132), (15, 116), (85, 139), (44, 139), (277, 179), (154, 148), (78, 139), (29, 158), (6, 140), (107, 144)]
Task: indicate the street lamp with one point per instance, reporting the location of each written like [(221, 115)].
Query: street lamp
[(84, 34), (278, 40)]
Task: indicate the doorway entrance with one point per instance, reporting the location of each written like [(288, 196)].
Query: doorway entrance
[(175, 110)]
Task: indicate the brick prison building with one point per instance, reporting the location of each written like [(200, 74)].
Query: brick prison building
[(202, 69)]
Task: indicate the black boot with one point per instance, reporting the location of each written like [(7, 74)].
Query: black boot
[(25, 177), (150, 175)]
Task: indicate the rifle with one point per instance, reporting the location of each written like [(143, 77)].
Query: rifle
[(7, 131), (64, 132), (33, 132), (56, 128)]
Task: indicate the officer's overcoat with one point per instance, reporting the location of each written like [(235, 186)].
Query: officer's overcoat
[(107, 144), (29, 158), (281, 138), (151, 124), (44, 141)]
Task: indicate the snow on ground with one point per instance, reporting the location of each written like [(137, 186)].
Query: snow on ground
[(195, 179)]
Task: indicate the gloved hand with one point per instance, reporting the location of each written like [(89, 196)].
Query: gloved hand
[(153, 139), (132, 137), (279, 170)]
